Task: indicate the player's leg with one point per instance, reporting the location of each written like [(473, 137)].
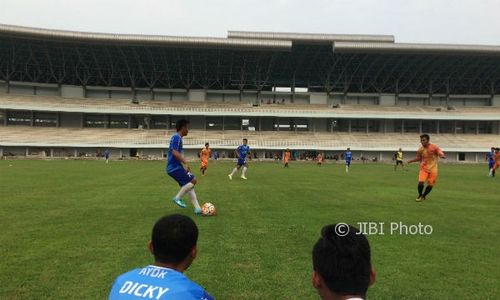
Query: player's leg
[(431, 181), (185, 181), (234, 171), (192, 196), (422, 178), (244, 171), (347, 165)]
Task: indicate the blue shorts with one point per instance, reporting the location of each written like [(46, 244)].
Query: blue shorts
[(242, 162), (182, 176), (348, 163), (491, 165)]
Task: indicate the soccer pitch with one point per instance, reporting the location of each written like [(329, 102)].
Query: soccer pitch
[(70, 227)]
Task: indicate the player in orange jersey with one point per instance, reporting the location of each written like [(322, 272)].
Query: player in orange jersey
[(319, 159), (204, 156), (428, 155), (286, 158), (497, 162)]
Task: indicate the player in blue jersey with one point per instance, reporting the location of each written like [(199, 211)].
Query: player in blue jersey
[(242, 153), (107, 154), (348, 159), (490, 157), (173, 245), (178, 168)]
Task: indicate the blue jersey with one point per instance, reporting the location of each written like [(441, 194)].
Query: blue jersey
[(154, 282), (348, 156), (106, 153), (491, 157), (243, 151), (175, 144)]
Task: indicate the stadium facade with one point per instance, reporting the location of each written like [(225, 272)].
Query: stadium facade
[(72, 94)]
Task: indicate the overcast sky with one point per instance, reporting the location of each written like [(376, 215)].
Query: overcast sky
[(433, 21)]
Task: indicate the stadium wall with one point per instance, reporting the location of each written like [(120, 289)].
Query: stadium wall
[(192, 154), (246, 96)]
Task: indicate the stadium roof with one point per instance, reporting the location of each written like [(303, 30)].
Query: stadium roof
[(248, 60)]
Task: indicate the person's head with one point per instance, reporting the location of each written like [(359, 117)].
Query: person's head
[(400, 149), (492, 149), (207, 145), (424, 139), (348, 149), (182, 127), (497, 150), (342, 263), (245, 141), (173, 241)]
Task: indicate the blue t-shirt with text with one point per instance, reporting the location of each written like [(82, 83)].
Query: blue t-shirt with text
[(158, 283)]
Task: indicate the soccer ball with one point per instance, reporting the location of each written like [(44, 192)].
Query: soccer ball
[(208, 209)]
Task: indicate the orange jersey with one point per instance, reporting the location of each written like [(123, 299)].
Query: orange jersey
[(497, 158), (287, 156), (429, 157), (205, 154)]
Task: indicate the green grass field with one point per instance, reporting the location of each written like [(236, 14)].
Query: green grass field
[(68, 228)]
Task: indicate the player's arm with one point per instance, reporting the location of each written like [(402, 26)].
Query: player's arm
[(178, 156), (418, 158), (441, 153)]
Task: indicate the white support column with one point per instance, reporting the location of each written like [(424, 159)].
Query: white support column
[(51, 152), (387, 100), (75, 153), (1, 152), (27, 152), (495, 100)]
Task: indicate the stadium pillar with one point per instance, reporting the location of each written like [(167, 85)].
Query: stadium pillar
[(495, 100), (318, 98), (51, 152), (75, 153), (27, 152), (387, 100), (1, 152), (72, 91), (197, 95)]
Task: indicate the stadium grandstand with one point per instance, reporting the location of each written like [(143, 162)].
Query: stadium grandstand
[(72, 94)]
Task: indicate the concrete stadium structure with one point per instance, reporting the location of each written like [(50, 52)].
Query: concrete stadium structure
[(72, 94)]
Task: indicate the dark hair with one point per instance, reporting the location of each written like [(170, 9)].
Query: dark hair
[(206, 144), (425, 136), (181, 123), (343, 261), (173, 237), (245, 139)]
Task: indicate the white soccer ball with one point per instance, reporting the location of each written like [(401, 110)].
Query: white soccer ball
[(208, 209)]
